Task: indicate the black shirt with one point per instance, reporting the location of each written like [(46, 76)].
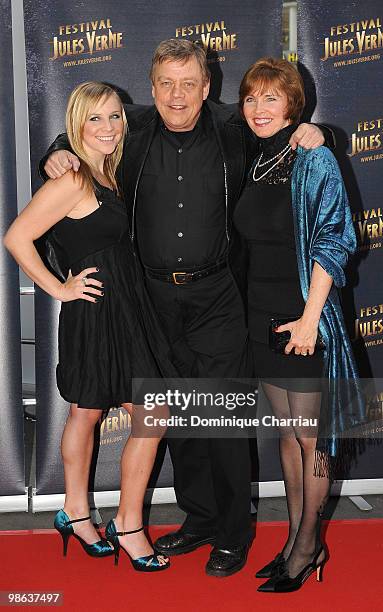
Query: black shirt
[(180, 214)]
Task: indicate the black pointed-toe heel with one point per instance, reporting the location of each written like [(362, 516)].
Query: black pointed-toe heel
[(284, 584), (150, 563), (274, 567), (63, 524)]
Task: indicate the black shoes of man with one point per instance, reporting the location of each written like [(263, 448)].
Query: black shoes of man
[(222, 562)]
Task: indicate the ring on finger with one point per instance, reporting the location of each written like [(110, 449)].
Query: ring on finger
[(83, 280)]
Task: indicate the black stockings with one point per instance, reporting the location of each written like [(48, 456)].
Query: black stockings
[(306, 494)]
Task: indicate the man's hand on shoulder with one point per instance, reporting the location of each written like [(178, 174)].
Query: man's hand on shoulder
[(308, 136), (60, 162)]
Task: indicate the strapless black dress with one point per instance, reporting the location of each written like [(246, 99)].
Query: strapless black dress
[(103, 345)]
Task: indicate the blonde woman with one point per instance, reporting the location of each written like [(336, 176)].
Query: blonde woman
[(102, 342)]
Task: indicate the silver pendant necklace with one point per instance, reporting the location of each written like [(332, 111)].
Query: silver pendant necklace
[(280, 156)]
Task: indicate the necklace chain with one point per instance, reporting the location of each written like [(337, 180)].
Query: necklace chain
[(280, 156), (268, 161)]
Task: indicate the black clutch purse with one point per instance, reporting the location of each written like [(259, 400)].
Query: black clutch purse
[(279, 341)]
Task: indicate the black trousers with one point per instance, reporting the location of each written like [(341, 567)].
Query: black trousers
[(205, 324)]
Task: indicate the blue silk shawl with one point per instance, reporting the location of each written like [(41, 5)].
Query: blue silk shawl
[(324, 233)]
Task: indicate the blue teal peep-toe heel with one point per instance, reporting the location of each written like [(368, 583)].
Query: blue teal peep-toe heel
[(150, 563), (63, 524)]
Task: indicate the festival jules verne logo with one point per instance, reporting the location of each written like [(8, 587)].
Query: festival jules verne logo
[(214, 36), (366, 141), (360, 39), (114, 426), (368, 225), (369, 325), (86, 38)]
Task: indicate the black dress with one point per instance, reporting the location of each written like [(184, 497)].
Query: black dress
[(264, 218), (103, 345)]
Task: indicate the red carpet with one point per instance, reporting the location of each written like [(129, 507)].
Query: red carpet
[(32, 561)]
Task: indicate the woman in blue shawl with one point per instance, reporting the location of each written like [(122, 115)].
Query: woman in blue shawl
[(296, 220)]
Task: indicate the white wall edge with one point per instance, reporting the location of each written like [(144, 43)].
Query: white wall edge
[(14, 503), (166, 495), (102, 499), (368, 486)]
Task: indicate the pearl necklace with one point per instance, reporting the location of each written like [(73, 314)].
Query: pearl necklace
[(279, 155), (268, 161)]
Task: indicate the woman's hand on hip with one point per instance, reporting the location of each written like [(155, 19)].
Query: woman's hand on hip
[(303, 336), (80, 286)]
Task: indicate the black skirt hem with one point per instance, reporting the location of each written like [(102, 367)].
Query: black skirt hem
[(103, 406)]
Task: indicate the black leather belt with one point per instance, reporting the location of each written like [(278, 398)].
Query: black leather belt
[(182, 278)]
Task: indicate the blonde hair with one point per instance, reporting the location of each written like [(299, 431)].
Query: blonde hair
[(81, 101)]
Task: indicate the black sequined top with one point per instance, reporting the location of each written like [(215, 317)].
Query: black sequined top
[(264, 218)]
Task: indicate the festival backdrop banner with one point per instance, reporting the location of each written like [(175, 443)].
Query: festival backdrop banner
[(340, 49), (340, 55), (12, 480), (113, 41)]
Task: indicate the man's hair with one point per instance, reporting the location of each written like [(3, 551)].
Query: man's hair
[(180, 50), (275, 74), (82, 100)]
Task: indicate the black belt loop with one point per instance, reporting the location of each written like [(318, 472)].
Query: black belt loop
[(183, 278)]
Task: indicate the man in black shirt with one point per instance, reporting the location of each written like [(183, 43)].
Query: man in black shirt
[(184, 163)]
